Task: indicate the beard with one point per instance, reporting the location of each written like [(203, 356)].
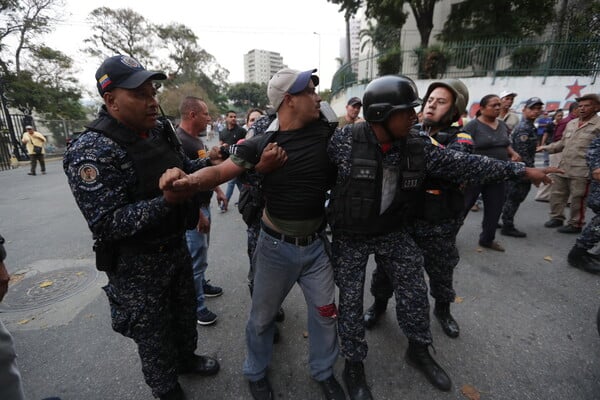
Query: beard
[(446, 120)]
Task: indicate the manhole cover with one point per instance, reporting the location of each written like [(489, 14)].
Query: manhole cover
[(47, 288)]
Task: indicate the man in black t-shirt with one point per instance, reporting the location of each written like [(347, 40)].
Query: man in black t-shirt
[(229, 136), (194, 119), (290, 246)]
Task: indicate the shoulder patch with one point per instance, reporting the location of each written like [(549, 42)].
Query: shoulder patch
[(88, 174), (524, 138)]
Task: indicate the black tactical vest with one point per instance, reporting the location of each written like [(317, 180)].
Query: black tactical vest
[(356, 203), (442, 199), (151, 158)]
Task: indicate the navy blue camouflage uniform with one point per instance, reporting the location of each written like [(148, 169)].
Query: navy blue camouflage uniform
[(590, 236), (435, 230), (150, 285), (396, 252), (524, 142), (251, 197)]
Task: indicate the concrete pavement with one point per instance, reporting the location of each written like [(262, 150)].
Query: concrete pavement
[(527, 323)]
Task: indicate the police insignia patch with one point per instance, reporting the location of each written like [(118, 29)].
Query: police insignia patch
[(88, 173), (524, 138), (130, 62)]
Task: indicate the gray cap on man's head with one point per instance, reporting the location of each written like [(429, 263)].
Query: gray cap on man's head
[(289, 81)]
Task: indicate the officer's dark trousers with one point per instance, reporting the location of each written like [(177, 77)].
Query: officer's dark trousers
[(516, 193), (152, 300), (400, 257), (440, 256), (590, 236), (493, 200)]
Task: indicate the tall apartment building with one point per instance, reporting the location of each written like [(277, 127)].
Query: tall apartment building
[(260, 65), (355, 27)]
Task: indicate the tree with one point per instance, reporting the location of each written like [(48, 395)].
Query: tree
[(423, 13), (37, 77), (473, 20), (249, 95), (188, 62), (121, 31), (25, 20)]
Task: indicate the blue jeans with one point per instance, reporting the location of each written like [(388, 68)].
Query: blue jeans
[(230, 187), (197, 243), (278, 266)]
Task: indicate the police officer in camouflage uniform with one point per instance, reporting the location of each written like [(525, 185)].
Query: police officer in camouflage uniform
[(579, 257), (438, 222), (381, 168), (113, 171), (524, 142)]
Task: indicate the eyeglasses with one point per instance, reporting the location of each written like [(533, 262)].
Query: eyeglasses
[(311, 91)]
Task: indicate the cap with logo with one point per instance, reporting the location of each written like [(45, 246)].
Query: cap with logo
[(123, 72), (289, 81), (506, 93), (533, 101)]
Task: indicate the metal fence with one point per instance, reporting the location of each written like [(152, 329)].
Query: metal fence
[(492, 58)]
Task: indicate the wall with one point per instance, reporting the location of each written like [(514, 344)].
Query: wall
[(556, 91)]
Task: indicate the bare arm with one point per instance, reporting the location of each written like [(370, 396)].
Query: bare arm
[(202, 180)]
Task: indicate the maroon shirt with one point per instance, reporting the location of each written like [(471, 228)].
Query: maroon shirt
[(560, 127)]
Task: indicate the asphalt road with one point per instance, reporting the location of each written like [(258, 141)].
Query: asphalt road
[(527, 323)]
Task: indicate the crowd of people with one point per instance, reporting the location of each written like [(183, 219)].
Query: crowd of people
[(388, 184)]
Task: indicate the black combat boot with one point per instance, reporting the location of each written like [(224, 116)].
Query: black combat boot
[(418, 356), (580, 258), (174, 394), (374, 313), (355, 380), (449, 324)]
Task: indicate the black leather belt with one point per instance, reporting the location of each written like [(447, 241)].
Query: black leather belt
[(298, 241)]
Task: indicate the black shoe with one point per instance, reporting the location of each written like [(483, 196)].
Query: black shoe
[(199, 365), (206, 317), (31, 173), (418, 356), (374, 312), (512, 231), (332, 390), (449, 324), (211, 291), (355, 380), (580, 258), (174, 394), (261, 389), (276, 335), (280, 317), (554, 223), (569, 229)]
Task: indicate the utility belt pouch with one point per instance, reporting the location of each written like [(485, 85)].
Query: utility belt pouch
[(106, 255)]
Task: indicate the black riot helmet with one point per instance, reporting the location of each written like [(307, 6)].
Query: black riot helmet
[(387, 94)]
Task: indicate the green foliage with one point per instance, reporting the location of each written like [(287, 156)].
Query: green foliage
[(120, 31), (432, 61), (423, 13), (325, 95), (582, 25), (249, 95), (477, 20), (524, 60), (390, 63)]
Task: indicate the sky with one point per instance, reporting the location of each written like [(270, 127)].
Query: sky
[(226, 29)]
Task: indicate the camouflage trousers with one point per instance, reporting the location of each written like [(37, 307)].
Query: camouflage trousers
[(440, 257), (402, 261), (590, 236), (153, 301), (516, 193)]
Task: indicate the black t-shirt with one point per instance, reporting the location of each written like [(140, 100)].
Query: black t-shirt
[(231, 136), (194, 148), (297, 190)]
